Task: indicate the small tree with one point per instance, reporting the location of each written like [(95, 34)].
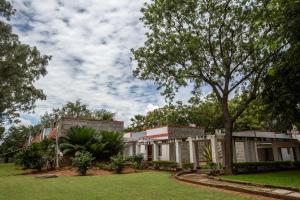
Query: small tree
[(82, 161)]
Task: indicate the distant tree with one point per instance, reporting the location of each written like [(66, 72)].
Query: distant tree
[(75, 110), (103, 114), (20, 66), (225, 44)]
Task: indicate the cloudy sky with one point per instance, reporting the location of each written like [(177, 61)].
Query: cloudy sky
[(90, 41)]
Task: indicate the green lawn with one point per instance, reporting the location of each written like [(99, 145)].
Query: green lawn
[(283, 178), (149, 185)]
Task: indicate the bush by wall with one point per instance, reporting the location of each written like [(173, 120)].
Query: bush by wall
[(187, 166), (268, 166), (37, 156), (164, 165)]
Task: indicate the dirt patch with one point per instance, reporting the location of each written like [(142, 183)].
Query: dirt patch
[(71, 171)]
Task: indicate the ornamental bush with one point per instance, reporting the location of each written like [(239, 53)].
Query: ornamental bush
[(82, 161), (135, 161), (117, 163), (37, 156), (164, 165)]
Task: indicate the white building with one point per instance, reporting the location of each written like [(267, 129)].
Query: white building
[(188, 144)]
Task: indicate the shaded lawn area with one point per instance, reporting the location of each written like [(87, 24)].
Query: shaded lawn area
[(283, 178), (141, 186)]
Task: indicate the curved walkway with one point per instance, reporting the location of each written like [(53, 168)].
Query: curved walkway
[(202, 179)]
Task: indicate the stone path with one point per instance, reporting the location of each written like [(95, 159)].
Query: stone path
[(202, 179)]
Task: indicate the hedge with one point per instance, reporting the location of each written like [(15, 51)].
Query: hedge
[(267, 166), (188, 166), (165, 165)]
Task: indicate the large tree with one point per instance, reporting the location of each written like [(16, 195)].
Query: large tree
[(282, 84), (227, 45), (20, 66)]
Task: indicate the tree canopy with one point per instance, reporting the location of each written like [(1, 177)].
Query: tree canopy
[(20, 67), (228, 45)]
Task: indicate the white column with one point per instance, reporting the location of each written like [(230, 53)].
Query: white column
[(214, 148), (137, 149), (145, 152), (155, 151), (233, 152), (255, 152), (192, 152), (178, 152)]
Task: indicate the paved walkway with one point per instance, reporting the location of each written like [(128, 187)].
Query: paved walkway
[(202, 179)]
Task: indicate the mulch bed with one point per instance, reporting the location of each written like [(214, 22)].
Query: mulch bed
[(71, 171)]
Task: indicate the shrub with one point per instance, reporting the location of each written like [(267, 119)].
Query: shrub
[(37, 155), (165, 165), (135, 161), (82, 161), (31, 158), (188, 166), (102, 145), (267, 166), (117, 163)]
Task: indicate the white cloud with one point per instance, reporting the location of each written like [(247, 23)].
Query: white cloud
[(90, 41)]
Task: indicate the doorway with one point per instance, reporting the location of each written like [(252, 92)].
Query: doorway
[(149, 152)]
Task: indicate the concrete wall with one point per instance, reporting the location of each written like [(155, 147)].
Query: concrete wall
[(66, 124), (185, 132)]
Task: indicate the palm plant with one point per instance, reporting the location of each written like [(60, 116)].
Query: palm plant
[(77, 139), (113, 142)]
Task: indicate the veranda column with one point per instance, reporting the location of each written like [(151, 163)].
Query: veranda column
[(137, 149), (192, 152), (145, 152), (155, 151), (255, 151), (214, 148), (233, 152), (178, 152)]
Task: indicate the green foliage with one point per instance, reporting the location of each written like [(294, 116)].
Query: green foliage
[(164, 165), (37, 155), (13, 140), (226, 45), (187, 166), (207, 153), (20, 67), (136, 161), (117, 163), (76, 110), (102, 145), (77, 139), (104, 165), (82, 161), (113, 144), (255, 167), (205, 113)]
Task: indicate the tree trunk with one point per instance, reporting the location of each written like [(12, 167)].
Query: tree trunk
[(228, 147)]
